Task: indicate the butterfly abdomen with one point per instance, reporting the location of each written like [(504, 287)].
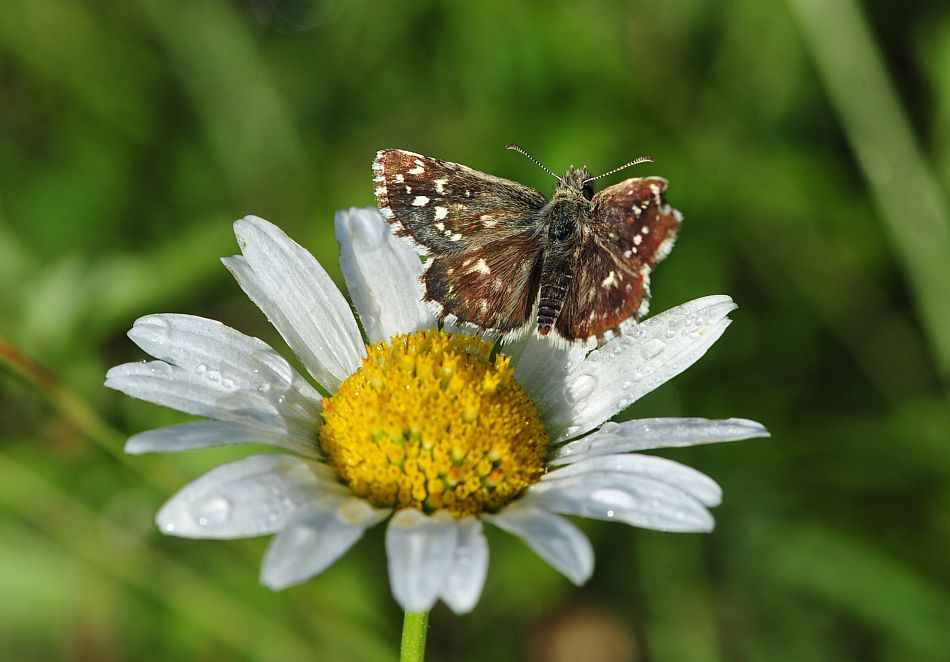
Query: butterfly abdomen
[(557, 270)]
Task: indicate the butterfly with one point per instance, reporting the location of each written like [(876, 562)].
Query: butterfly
[(503, 258)]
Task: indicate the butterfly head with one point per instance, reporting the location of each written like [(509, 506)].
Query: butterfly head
[(576, 181)]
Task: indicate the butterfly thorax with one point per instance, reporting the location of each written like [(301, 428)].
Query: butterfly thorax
[(564, 217)]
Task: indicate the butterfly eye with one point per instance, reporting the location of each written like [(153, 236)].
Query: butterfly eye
[(588, 189)]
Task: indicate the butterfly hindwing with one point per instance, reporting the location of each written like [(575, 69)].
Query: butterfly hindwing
[(448, 208), (493, 286), (631, 229)]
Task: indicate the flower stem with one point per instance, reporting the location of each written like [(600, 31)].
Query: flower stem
[(415, 626)]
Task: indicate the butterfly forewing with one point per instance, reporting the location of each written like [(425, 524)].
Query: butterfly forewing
[(631, 229), (447, 207)]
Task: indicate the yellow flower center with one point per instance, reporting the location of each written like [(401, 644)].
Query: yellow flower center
[(431, 421)]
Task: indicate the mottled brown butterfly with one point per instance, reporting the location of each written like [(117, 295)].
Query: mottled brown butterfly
[(504, 259)]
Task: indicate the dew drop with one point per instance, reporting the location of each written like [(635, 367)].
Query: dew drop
[(652, 349), (568, 365), (169, 527), (626, 384), (214, 511), (610, 427), (161, 329), (201, 369), (580, 388), (264, 387), (213, 376), (227, 383)]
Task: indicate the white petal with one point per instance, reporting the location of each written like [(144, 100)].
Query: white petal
[(636, 466), (642, 502), (250, 497), (207, 434), (421, 553), (649, 433), (317, 535), (553, 538), (464, 585), (647, 355), (171, 386), (213, 350), (382, 274), (299, 299), (244, 373), (542, 368)]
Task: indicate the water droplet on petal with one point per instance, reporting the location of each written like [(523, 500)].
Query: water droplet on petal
[(214, 512), (652, 348), (580, 388)]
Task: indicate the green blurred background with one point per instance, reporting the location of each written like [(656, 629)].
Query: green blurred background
[(808, 144)]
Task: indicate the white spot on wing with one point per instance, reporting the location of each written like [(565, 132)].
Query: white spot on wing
[(399, 178), (420, 201), (610, 280), (440, 185), (418, 170), (480, 267), (440, 213), (637, 239), (455, 237)]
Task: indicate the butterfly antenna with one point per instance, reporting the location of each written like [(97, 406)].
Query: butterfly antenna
[(521, 150), (639, 159)]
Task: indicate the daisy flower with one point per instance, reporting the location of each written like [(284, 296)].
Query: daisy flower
[(437, 432)]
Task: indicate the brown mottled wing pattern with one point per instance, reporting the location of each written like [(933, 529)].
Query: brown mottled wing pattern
[(480, 233), (493, 286), (631, 229), (447, 207)]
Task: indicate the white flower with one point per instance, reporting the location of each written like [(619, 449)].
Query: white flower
[(250, 394)]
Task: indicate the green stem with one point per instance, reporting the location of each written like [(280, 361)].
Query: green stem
[(415, 626)]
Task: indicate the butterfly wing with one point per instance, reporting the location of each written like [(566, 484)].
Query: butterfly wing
[(631, 229), (493, 286), (449, 208), (480, 232)]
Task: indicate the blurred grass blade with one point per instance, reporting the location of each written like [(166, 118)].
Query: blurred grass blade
[(243, 627), (899, 177)]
